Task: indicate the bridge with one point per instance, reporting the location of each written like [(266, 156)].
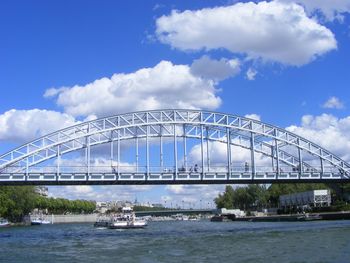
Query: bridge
[(176, 212), (171, 147)]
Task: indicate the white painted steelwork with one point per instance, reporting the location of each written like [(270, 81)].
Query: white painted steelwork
[(21, 165)]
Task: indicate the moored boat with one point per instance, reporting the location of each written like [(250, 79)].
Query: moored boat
[(102, 222), (39, 221), (4, 222), (309, 217), (126, 220)]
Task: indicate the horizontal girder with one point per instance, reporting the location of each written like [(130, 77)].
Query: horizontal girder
[(168, 178)]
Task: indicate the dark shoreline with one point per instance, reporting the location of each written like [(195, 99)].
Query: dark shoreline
[(297, 217)]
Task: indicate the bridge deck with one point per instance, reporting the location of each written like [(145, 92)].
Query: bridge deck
[(166, 178)]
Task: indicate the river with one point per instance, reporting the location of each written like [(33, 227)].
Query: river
[(180, 241)]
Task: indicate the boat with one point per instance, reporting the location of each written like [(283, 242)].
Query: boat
[(126, 220), (222, 218), (309, 217), (39, 221), (4, 222), (102, 222)]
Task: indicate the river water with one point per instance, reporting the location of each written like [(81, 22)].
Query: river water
[(180, 241)]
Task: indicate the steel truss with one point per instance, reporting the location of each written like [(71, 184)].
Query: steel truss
[(285, 149)]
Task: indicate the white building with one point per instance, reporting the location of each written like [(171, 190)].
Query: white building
[(42, 190), (315, 198), (236, 212)]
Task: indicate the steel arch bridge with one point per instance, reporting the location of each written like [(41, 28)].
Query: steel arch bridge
[(274, 154)]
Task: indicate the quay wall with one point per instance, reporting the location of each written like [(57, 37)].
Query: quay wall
[(59, 219)]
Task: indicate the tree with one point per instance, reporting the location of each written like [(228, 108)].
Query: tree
[(225, 200), (16, 201)]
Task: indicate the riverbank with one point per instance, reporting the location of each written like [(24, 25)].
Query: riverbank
[(343, 215), (62, 219)]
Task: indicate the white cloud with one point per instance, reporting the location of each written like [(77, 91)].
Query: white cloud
[(333, 103), (273, 31), (215, 69), (332, 9), (175, 189), (253, 116), (328, 131), (25, 125), (163, 86), (53, 92), (194, 195), (218, 156), (251, 74), (79, 189), (100, 193)]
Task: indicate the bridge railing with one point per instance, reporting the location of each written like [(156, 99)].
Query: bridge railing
[(165, 169)]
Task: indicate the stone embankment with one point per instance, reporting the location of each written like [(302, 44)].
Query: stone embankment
[(58, 219)]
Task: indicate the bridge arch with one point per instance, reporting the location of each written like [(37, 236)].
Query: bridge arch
[(289, 153)]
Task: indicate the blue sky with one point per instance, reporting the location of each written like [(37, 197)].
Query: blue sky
[(299, 67)]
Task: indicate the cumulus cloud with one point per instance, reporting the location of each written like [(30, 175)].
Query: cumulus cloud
[(100, 193), (333, 103), (24, 125), (273, 31), (253, 116), (328, 131), (53, 92), (218, 156), (215, 69), (251, 74), (332, 9), (163, 86), (200, 196)]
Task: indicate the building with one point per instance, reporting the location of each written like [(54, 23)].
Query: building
[(315, 198), (236, 212), (42, 190), (103, 207)]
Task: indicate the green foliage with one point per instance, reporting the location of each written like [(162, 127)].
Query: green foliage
[(225, 200), (18, 201), (242, 197), (257, 196), (64, 206)]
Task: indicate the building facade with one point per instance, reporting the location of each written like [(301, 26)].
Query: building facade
[(315, 198)]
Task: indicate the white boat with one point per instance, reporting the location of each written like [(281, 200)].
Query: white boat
[(102, 222), (4, 222), (39, 221), (126, 220)]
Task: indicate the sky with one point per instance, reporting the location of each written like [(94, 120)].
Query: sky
[(285, 62)]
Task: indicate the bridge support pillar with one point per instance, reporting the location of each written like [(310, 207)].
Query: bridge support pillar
[(202, 152), (228, 136), (147, 153), (321, 161), (252, 153), (300, 156), (185, 147), (175, 153)]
